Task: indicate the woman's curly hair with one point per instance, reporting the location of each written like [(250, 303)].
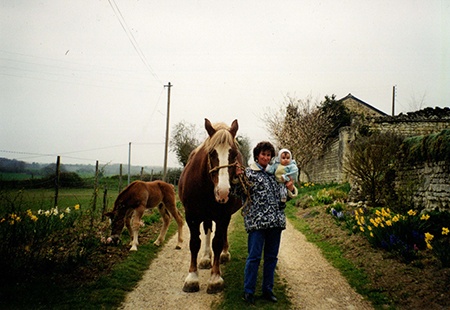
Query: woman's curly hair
[(263, 146)]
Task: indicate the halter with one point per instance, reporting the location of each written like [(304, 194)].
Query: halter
[(242, 178)]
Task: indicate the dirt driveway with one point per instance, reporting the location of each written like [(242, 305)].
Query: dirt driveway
[(312, 282)]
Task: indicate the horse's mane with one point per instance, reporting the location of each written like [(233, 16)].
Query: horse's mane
[(222, 136)]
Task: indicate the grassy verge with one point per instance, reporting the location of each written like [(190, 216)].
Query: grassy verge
[(106, 292), (234, 273)]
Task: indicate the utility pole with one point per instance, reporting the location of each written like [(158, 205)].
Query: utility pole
[(393, 100), (167, 131)]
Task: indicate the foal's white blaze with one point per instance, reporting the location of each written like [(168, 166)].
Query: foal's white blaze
[(222, 188)]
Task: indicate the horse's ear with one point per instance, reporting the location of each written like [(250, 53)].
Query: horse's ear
[(209, 128), (234, 128)]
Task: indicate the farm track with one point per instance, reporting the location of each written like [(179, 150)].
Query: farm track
[(312, 282)]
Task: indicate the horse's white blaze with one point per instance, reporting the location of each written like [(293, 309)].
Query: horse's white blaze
[(223, 185)]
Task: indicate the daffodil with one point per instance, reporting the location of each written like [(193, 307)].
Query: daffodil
[(425, 217), (388, 223), (445, 230), (428, 237), (412, 212), (77, 206)]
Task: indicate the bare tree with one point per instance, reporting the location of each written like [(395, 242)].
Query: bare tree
[(300, 126), (184, 140)]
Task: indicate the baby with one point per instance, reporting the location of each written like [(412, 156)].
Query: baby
[(284, 168)]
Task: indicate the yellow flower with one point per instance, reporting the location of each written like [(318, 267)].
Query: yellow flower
[(428, 237), (424, 217), (361, 228), (384, 213), (371, 234), (67, 210), (61, 216), (2, 220), (77, 206), (429, 246), (377, 212), (388, 223), (412, 212), (34, 218), (369, 227), (445, 230), (381, 224), (395, 218)]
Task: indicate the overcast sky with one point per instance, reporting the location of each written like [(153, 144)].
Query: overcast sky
[(82, 79)]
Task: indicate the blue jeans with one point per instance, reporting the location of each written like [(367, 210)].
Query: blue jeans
[(269, 240)]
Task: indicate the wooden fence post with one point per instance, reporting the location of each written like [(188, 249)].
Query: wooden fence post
[(120, 178), (58, 167), (94, 203)]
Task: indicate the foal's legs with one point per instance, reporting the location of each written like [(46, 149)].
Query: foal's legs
[(166, 221), (180, 222), (138, 212)]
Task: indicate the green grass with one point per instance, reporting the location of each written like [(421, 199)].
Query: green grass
[(233, 273)]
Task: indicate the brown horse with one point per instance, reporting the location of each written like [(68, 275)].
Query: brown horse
[(204, 190), (134, 200)]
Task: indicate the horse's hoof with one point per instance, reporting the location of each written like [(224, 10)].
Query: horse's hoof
[(191, 283), (156, 243), (205, 264), (133, 248), (215, 287), (191, 287), (225, 258)]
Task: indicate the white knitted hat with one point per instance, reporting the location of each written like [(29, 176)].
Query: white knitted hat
[(284, 151)]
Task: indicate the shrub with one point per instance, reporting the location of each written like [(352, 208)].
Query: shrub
[(371, 164)]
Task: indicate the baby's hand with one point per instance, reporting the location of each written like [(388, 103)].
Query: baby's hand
[(290, 185)]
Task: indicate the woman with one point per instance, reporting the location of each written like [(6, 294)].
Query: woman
[(264, 221)]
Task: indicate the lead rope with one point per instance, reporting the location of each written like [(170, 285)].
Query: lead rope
[(242, 178)]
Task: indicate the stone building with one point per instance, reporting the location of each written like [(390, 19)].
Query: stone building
[(435, 188)]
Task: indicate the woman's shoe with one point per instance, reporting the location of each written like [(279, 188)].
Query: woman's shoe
[(250, 298), (269, 296)]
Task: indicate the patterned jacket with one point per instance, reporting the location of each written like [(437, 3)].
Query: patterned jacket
[(265, 209)]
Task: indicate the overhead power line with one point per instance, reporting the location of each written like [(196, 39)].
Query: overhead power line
[(130, 36)]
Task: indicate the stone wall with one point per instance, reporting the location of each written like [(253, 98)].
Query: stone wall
[(418, 123), (329, 167), (429, 183), (435, 189)]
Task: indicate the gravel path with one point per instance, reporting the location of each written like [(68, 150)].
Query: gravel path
[(312, 282)]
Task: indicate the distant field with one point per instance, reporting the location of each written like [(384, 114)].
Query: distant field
[(44, 199), (10, 176)]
